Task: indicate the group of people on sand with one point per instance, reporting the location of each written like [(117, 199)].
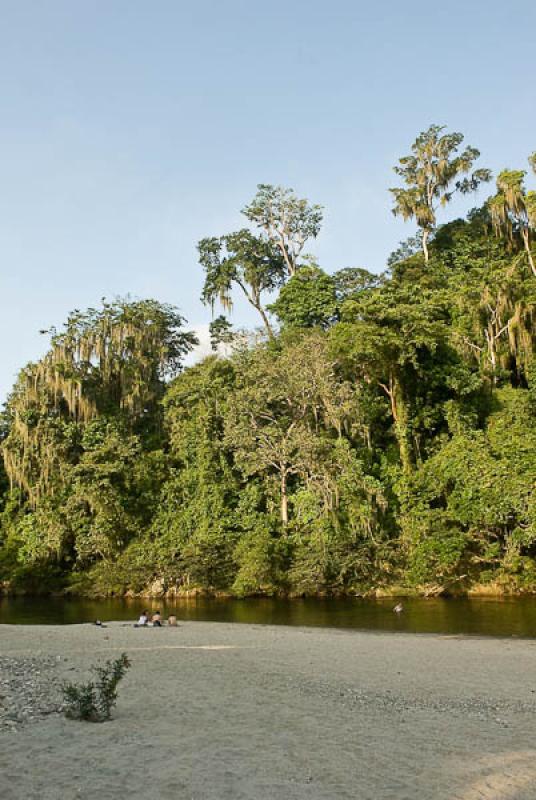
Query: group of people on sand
[(155, 620)]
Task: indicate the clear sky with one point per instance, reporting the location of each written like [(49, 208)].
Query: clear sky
[(131, 129)]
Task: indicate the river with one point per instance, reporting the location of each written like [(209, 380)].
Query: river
[(512, 616)]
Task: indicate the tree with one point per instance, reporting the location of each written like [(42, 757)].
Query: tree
[(240, 258), (221, 332), (492, 315), (277, 414), (307, 300), (409, 247), (104, 507), (469, 506), (352, 281), (83, 422), (389, 340), (109, 361), (513, 210), (432, 175), (286, 221), (195, 529), (385, 437)]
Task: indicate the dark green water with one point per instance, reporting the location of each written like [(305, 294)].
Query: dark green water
[(485, 617)]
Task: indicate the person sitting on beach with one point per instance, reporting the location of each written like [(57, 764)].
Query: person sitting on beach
[(143, 620), (172, 620), (156, 619)]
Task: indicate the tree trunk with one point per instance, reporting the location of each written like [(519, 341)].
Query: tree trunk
[(526, 242), (288, 260), (401, 418), (490, 339), (425, 235), (400, 414), (253, 297), (284, 498), (402, 435), (269, 329)]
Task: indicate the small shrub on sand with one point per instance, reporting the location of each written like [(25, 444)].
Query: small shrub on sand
[(95, 700)]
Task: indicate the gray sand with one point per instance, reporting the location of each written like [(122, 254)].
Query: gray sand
[(245, 712)]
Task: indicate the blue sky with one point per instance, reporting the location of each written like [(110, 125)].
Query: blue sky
[(129, 130)]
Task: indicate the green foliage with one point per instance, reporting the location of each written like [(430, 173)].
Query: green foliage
[(470, 506), (352, 281), (221, 332), (308, 300), (260, 553), (385, 435), (195, 524), (95, 700), (257, 264), (405, 250), (240, 259)]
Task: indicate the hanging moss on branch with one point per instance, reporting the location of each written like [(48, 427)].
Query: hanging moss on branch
[(113, 361)]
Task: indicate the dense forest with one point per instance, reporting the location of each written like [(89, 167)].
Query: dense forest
[(376, 433)]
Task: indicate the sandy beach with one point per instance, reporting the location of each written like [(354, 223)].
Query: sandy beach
[(244, 712)]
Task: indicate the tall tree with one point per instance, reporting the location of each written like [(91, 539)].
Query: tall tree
[(432, 174), (492, 315), (513, 209), (286, 220), (388, 340), (110, 361), (278, 413), (244, 260)]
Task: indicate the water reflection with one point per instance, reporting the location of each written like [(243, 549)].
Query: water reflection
[(486, 616)]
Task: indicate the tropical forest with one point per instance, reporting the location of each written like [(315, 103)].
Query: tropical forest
[(376, 433)]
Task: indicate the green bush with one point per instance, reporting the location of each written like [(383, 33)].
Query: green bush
[(94, 701)]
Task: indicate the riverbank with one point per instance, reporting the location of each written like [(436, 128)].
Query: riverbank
[(157, 590), (213, 711)]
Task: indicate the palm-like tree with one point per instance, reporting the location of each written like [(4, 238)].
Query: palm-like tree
[(432, 174), (513, 209)]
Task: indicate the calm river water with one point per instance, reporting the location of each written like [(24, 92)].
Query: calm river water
[(485, 616)]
